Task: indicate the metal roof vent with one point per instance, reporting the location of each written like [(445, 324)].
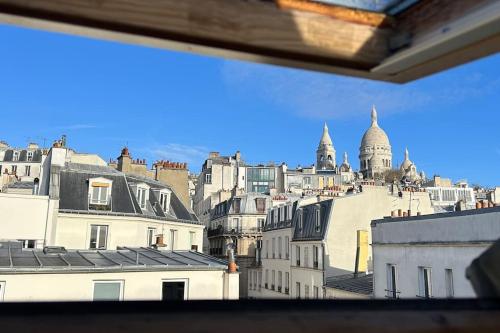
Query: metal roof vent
[(54, 249)]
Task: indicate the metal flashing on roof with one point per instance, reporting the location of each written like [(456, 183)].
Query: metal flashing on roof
[(354, 283), (15, 259)]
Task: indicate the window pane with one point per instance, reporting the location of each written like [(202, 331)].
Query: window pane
[(107, 291), (103, 230), (104, 195), (93, 237), (95, 194)]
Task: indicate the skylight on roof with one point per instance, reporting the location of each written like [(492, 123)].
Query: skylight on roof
[(391, 7)]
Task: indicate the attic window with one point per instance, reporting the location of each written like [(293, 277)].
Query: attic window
[(30, 156), (15, 157), (164, 200), (300, 218), (318, 220), (100, 191), (142, 196), (236, 205), (260, 204)]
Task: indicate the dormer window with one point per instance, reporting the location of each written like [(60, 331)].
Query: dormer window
[(30, 156), (99, 193), (142, 195), (15, 156), (300, 218), (164, 200), (208, 178), (317, 221)]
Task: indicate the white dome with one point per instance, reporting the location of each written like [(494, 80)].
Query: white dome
[(375, 136)]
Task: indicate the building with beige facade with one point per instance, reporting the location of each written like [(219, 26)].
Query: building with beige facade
[(375, 152), (20, 164), (323, 239), (239, 221), (173, 174), (85, 206)]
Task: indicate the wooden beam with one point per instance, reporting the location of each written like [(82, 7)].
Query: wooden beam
[(342, 13), (444, 34), (250, 30), (263, 316)]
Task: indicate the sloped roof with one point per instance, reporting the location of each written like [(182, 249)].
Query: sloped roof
[(13, 258), (74, 192), (359, 284)]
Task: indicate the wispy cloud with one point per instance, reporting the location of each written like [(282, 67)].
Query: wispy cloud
[(329, 96), (193, 155), (73, 127)]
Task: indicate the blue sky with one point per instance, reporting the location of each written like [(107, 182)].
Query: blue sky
[(179, 106)]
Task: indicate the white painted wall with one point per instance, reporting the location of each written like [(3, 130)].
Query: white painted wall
[(73, 231), (441, 241), (25, 216), (408, 258), (51, 287)]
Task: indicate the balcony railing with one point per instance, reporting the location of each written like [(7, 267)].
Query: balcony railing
[(232, 231)]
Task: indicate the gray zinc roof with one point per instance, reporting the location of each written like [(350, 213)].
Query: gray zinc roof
[(359, 284), (13, 258), (74, 192), (309, 231)]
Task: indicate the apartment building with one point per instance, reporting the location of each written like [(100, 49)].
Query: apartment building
[(427, 256), (85, 206), (240, 221), (124, 274), (306, 245)]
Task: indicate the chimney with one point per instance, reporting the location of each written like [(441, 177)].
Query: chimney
[(361, 251), (231, 267), (213, 154), (159, 241)]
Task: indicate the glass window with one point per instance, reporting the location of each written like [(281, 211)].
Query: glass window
[(98, 237), (99, 193), (297, 289), (30, 156), (424, 282), (315, 256), (165, 201), (151, 236), (316, 292), (306, 256), (141, 197), (287, 249), (280, 246), (318, 220), (173, 239), (287, 282), (306, 291), (297, 254), (27, 170), (391, 281), (2, 290), (448, 275), (28, 243), (108, 291), (274, 248)]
